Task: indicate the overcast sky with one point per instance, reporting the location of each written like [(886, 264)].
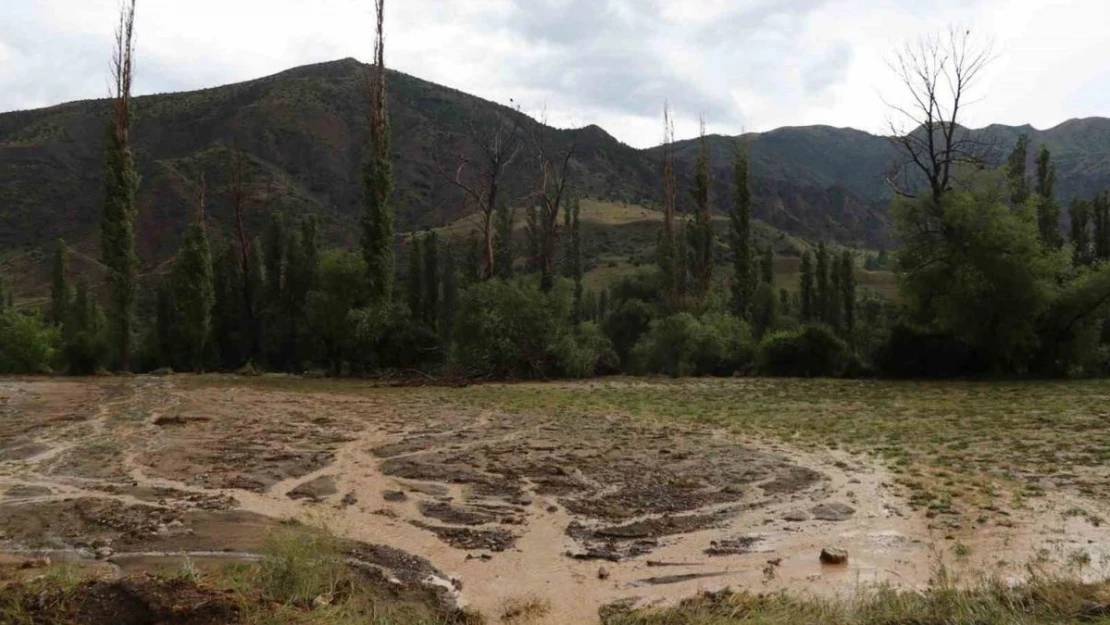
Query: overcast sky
[(744, 64)]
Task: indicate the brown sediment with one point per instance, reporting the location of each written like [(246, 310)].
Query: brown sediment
[(159, 467)]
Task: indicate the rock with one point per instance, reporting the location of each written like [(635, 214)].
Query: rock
[(315, 490), (103, 553), (603, 573), (834, 555), (349, 499), (834, 511), (162, 530), (395, 496), (796, 516), (552, 509), (36, 563)]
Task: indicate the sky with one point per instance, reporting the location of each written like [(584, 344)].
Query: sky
[(742, 65)]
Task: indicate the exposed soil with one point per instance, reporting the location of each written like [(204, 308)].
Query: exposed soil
[(139, 472)]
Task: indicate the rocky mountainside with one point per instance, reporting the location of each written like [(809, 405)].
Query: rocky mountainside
[(303, 132)]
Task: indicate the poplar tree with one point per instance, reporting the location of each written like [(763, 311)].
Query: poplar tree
[(848, 290), (193, 290), (668, 256), (574, 210), (121, 183), (743, 277), (377, 180), (767, 265), (431, 279), (806, 288), (821, 299), (1015, 171), (416, 277), (1080, 213), (503, 241), (1048, 213), (450, 300), (83, 332), (701, 230), (59, 284), (1100, 217), (833, 310)]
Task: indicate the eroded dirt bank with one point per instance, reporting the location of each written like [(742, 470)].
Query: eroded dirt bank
[(581, 512)]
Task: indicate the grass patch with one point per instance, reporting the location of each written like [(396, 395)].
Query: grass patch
[(1041, 602), (963, 444)]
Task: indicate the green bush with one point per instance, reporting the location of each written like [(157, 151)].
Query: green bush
[(682, 345), (508, 329), (627, 323), (27, 345), (811, 352), (585, 352)]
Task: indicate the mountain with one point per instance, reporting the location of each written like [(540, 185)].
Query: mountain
[(303, 131)]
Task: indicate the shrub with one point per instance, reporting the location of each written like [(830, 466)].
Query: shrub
[(626, 324), (810, 352), (914, 352), (507, 329), (584, 352), (681, 345), (26, 344)]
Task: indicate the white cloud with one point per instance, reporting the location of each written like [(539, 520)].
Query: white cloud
[(745, 64)]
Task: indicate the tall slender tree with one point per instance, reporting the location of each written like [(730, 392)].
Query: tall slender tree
[(821, 299), (504, 255), (701, 230), (450, 299), (1048, 213), (1080, 213), (416, 277), (377, 180), (553, 193), (431, 279), (121, 183), (574, 256), (1015, 171), (848, 291), (667, 251), (767, 265), (740, 219), (59, 284), (806, 288), (193, 290), (835, 297), (1100, 217)]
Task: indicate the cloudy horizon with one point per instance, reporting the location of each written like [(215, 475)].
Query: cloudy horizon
[(745, 65)]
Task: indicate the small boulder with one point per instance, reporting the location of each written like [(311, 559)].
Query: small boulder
[(834, 511), (603, 573), (796, 516), (395, 496), (103, 553), (834, 555)]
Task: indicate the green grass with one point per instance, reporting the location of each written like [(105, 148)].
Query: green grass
[(1043, 601), (950, 444)]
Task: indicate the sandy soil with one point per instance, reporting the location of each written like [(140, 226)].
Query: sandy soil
[(135, 473)]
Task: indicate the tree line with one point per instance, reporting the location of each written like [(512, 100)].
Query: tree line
[(988, 281)]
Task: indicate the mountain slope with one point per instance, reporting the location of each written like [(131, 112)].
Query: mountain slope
[(303, 131)]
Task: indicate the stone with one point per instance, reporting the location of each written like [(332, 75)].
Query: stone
[(103, 553), (796, 516), (349, 499), (603, 573), (834, 511), (395, 496), (834, 555)]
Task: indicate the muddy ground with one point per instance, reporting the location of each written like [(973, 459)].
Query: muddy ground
[(486, 508)]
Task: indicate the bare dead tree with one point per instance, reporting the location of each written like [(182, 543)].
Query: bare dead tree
[(122, 72), (667, 246), (938, 73), (552, 194), (238, 196), (480, 173)]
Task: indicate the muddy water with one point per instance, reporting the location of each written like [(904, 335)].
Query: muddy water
[(518, 476)]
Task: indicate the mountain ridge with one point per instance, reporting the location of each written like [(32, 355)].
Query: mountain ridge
[(303, 130)]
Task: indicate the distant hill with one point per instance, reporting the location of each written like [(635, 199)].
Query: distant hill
[(303, 131)]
